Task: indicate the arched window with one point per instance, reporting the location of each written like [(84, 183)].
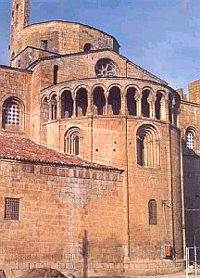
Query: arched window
[(131, 102), (53, 107), (152, 210), (191, 138), (145, 104), (81, 102), (99, 101), (13, 112), (148, 146), (72, 141), (114, 101), (67, 104)]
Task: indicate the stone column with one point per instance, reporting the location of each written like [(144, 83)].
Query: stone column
[(138, 98), (151, 100)]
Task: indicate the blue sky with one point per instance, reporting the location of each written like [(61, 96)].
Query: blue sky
[(162, 36)]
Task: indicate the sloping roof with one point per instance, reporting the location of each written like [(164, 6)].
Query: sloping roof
[(24, 149), (43, 273)]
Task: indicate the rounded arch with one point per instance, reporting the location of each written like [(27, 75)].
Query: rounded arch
[(145, 109), (44, 99), (67, 104), (66, 88), (13, 111), (99, 100), (148, 146), (131, 103), (114, 100), (99, 84), (81, 101), (53, 93), (72, 141)]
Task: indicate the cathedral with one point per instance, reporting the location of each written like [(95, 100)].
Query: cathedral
[(99, 158)]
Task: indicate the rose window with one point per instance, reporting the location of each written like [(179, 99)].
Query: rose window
[(106, 68)]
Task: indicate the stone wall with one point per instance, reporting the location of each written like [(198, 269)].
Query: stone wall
[(71, 219)]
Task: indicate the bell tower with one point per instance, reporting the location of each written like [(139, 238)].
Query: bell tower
[(20, 19)]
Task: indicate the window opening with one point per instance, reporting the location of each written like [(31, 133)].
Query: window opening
[(87, 47), (99, 101), (145, 104), (114, 101), (152, 207), (55, 74), (11, 211), (190, 140), (44, 44), (12, 113), (131, 102), (67, 104), (81, 102)]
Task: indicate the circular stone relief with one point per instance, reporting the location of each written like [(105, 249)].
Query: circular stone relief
[(106, 68)]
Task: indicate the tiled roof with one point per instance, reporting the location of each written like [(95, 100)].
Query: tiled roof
[(24, 149)]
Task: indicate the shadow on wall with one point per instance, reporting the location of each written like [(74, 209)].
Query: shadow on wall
[(191, 181)]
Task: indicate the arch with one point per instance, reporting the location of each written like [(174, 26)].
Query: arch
[(191, 138), (114, 101), (99, 101), (67, 104), (152, 211), (160, 106), (145, 104), (53, 106), (81, 102), (12, 112), (72, 141), (131, 101), (106, 68), (148, 146)]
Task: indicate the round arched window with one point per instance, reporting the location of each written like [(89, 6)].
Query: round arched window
[(106, 68)]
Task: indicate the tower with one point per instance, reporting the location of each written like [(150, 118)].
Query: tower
[(20, 19)]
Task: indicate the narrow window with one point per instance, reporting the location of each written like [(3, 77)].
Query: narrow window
[(152, 207), (55, 74), (76, 145), (11, 211), (44, 44)]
